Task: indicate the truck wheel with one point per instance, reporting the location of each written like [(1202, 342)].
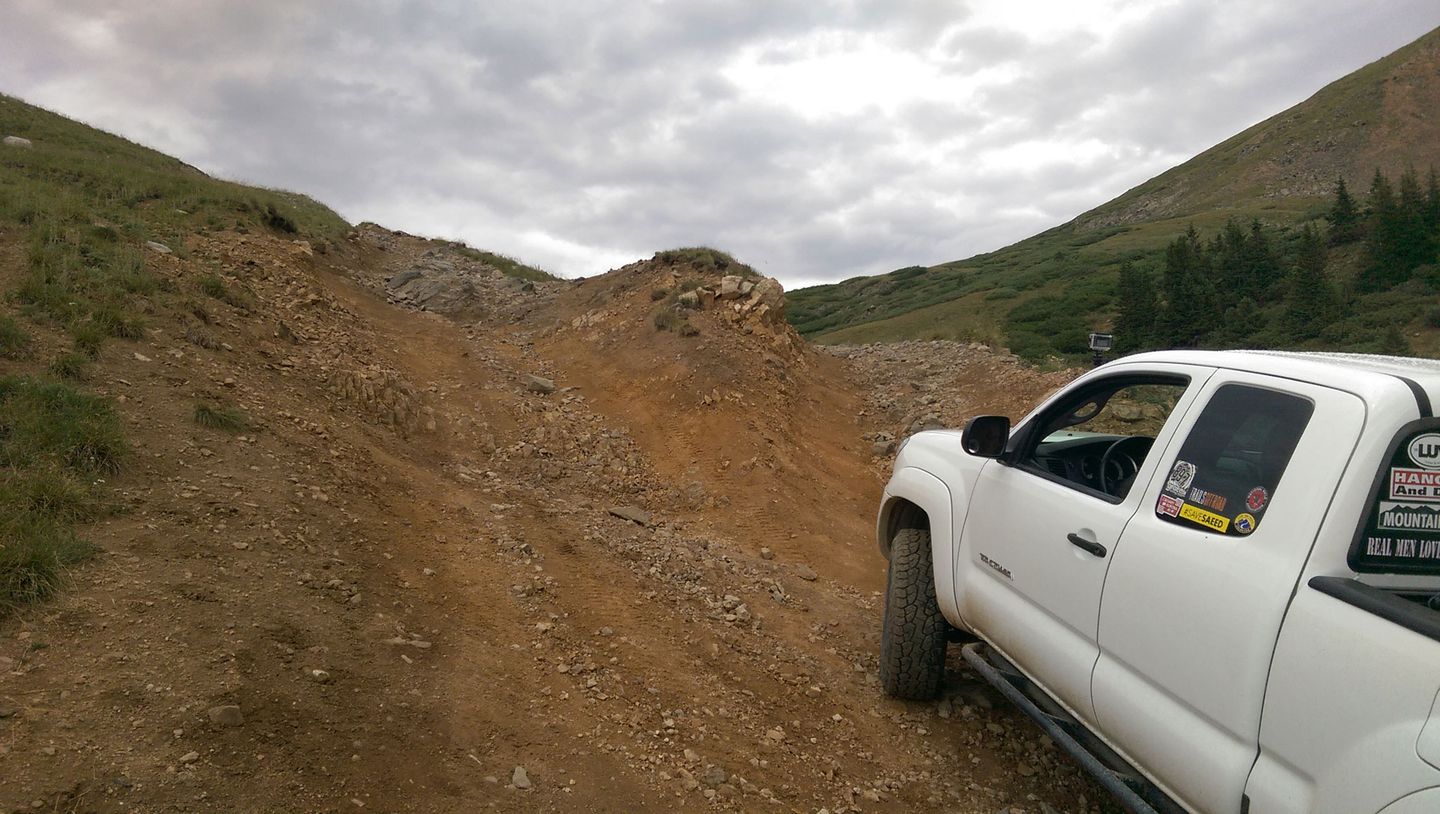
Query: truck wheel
[(912, 636)]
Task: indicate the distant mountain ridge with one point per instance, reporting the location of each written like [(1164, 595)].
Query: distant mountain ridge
[(1280, 171)]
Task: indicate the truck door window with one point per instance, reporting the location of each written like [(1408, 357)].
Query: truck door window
[(1401, 530), (1097, 440), (1227, 470)]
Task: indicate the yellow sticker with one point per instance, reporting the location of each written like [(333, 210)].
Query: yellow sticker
[(1244, 522), (1205, 518)]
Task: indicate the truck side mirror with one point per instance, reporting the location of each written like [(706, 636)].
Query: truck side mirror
[(985, 436)]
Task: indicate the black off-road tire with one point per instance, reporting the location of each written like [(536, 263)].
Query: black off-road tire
[(913, 634)]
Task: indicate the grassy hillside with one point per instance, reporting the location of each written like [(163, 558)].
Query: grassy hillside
[(1280, 172), (77, 209)]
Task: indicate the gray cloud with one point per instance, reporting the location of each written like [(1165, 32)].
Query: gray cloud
[(580, 134)]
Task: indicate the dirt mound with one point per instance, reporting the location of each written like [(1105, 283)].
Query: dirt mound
[(732, 408)]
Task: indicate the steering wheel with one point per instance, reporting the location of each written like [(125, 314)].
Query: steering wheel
[(1124, 462)]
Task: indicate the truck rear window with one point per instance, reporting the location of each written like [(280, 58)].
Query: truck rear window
[(1401, 531), (1227, 470)]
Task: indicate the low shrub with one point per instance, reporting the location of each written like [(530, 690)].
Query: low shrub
[(665, 319)]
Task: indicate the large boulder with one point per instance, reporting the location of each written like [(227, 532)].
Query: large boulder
[(16, 141)]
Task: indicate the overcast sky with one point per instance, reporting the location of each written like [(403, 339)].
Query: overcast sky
[(814, 139)]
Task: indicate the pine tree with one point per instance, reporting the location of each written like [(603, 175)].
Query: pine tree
[(1310, 300), (1227, 256), (1382, 267), (1190, 311), (1344, 217), (1261, 268), (1415, 240), (1136, 311)]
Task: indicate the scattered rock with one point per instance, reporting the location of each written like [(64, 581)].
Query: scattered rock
[(227, 715), (767, 554), (519, 779), (399, 280), (539, 384), (189, 757), (403, 642), (320, 676), (806, 573), (157, 247), (632, 513), (17, 141)]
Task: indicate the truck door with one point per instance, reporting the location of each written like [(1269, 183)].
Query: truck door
[(1042, 527), (1205, 570)]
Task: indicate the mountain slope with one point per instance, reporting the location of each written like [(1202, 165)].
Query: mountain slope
[(1280, 171)]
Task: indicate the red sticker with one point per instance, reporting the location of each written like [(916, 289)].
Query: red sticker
[(1169, 506), (1256, 500)]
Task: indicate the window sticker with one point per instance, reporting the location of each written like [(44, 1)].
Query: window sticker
[(1169, 506), (1209, 500), (1181, 476), (1244, 522), (1256, 499), (1402, 530), (1198, 515)]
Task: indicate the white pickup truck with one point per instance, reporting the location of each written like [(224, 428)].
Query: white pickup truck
[(1212, 577)]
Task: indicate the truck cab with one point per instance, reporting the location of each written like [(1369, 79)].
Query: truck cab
[(1212, 573)]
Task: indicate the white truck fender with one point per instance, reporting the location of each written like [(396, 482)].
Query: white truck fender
[(911, 488)]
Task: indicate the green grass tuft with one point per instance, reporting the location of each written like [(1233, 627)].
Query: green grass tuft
[(221, 417), (35, 559), (48, 423), (54, 442), (71, 366), (15, 343)]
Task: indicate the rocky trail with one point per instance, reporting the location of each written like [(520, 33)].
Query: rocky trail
[(489, 544)]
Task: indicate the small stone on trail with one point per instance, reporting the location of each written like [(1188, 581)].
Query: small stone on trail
[(157, 247), (539, 384), (767, 554), (519, 779), (189, 757), (806, 573), (227, 715), (140, 357), (632, 513), (320, 676)]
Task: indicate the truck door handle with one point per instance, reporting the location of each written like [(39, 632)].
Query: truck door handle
[(1086, 545)]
